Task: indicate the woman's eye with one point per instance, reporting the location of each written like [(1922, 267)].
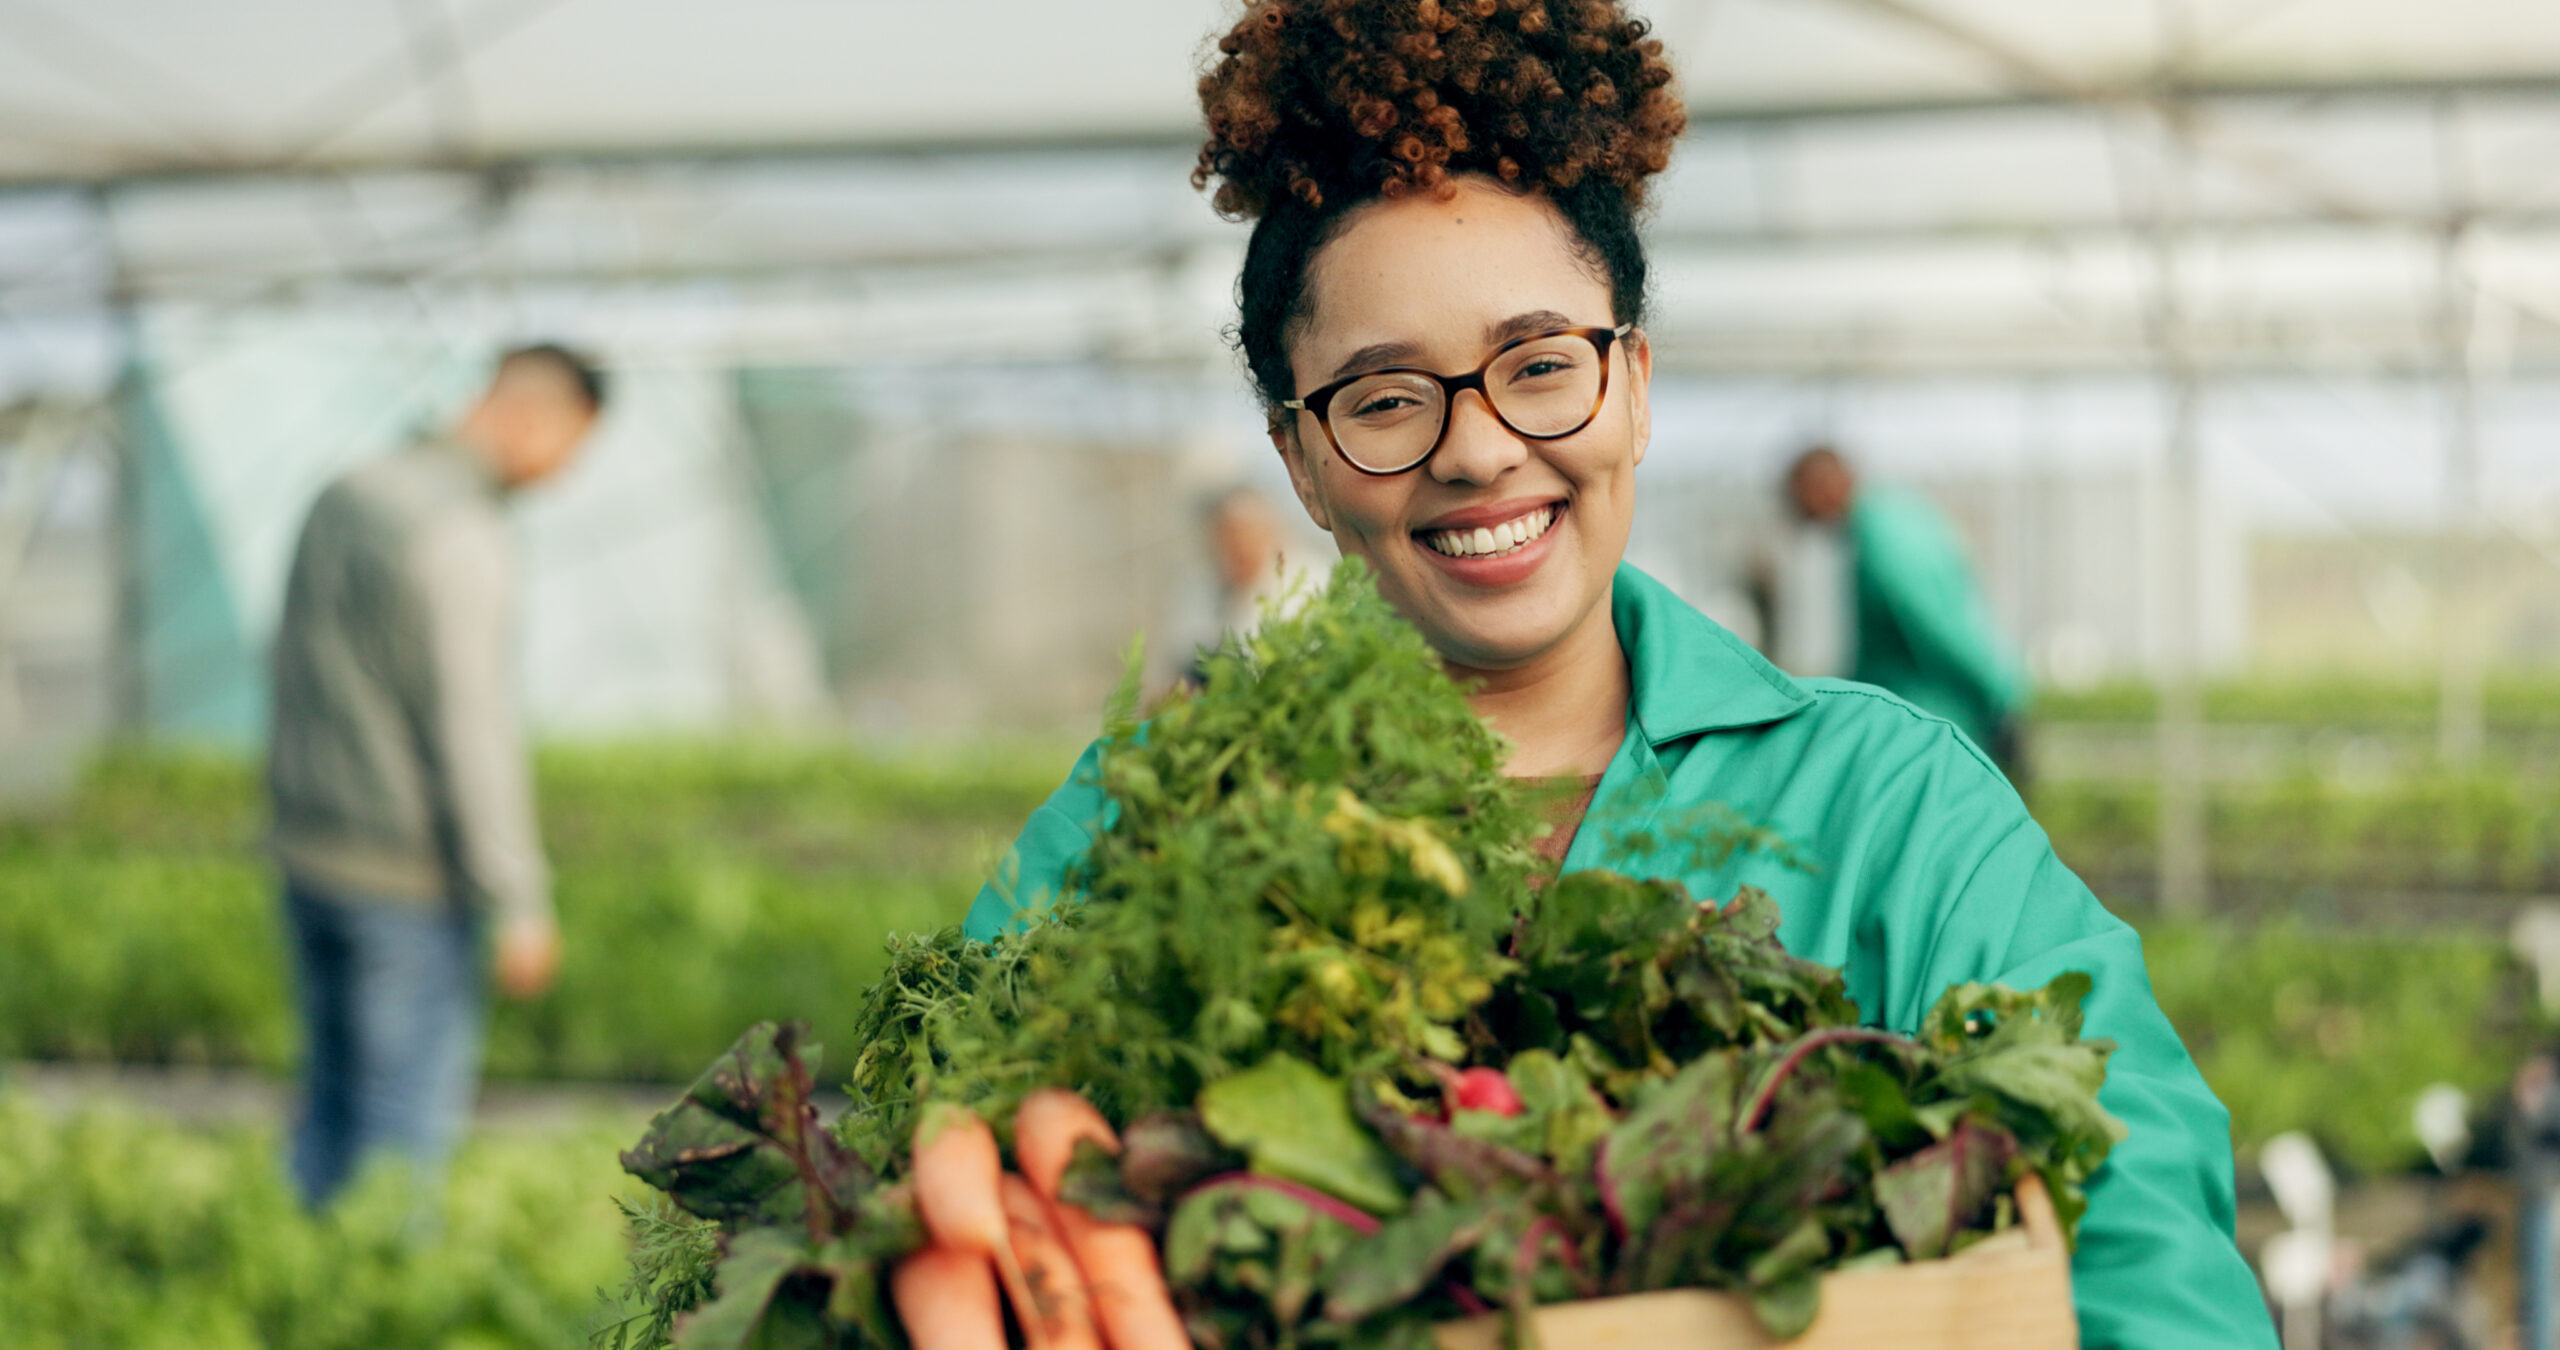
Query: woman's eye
[(1384, 405), (1543, 367)]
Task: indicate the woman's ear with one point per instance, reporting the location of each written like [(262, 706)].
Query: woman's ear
[(1284, 439), (1639, 389)]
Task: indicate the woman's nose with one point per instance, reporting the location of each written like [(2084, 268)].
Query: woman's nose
[(1477, 448)]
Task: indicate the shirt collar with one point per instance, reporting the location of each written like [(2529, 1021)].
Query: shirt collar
[(1689, 674)]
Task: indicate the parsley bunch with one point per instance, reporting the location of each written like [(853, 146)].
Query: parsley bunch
[(1316, 854)]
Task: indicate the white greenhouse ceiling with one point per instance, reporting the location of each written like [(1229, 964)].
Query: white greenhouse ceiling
[(103, 89)]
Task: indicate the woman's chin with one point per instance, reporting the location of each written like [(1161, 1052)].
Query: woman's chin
[(1481, 628), (1496, 632)]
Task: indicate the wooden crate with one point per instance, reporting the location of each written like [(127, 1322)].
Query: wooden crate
[(2011, 1292)]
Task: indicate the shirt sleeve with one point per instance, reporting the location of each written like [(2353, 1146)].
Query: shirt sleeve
[(465, 717), (1032, 873), (2156, 1267), (1920, 574)]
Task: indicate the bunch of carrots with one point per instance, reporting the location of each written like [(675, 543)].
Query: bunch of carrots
[(1075, 1282)]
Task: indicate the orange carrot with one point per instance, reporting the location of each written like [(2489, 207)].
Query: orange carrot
[(956, 1167), (1046, 1130), (946, 1300), (1127, 1283), (1061, 1307), (1118, 1260)]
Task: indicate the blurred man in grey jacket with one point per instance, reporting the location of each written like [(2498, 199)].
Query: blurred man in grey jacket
[(401, 790)]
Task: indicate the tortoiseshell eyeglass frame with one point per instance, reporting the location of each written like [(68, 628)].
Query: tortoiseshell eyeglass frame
[(1319, 402)]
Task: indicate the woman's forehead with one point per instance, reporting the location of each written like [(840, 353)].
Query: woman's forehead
[(1443, 279)]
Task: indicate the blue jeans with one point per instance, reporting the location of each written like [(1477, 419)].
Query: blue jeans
[(2538, 1264), (390, 994)]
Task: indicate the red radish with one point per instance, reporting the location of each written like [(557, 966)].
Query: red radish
[(1061, 1305), (1046, 1130), (1485, 1090), (946, 1299), (957, 1195)]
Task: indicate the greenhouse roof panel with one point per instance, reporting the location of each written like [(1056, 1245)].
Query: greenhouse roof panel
[(107, 88)]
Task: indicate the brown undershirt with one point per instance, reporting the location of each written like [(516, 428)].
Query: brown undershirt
[(1565, 809)]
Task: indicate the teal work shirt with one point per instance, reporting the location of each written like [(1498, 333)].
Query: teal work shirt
[(1930, 872), (1923, 630)]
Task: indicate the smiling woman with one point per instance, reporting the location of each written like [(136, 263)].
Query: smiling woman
[(1498, 541), (1454, 188), (1441, 308)]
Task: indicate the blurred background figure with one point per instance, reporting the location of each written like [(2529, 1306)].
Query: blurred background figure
[(2533, 1143), (398, 775), (1922, 629), (1250, 544), (1249, 554)]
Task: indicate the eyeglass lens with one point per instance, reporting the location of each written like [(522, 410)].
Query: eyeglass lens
[(1547, 387)]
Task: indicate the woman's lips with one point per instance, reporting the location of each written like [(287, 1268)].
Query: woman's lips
[(1494, 554)]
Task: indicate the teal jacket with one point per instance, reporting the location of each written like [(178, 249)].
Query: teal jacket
[(1929, 872), (1923, 630)]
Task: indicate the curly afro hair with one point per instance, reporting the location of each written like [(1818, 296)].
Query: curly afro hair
[(1320, 100), (1319, 106)]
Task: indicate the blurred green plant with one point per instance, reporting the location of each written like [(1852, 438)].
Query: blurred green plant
[(2336, 1033), (2514, 699), (700, 889), (120, 1231), (705, 888), (2488, 832)]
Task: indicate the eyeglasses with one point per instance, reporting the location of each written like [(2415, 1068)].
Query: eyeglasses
[(1545, 386)]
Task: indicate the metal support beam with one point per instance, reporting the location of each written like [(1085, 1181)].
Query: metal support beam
[(30, 482), (2184, 863), (367, 92), (129, 703), (2461, 655)]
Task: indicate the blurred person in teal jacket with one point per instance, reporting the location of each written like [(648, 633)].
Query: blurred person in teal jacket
[(1448, 343), (1921, 627)]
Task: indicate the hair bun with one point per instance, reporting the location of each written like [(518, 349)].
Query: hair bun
[(1339, 100)]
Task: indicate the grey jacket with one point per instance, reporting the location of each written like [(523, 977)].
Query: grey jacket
[(396, 766)]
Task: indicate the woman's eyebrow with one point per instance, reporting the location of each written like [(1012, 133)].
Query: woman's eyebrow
[(1378, 354), (1535, 321)]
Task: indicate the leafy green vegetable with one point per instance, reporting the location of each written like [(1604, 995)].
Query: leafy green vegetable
[(744, 1146), (1248, 1252), (1315, 912), (1295, 1123), (1935, 1194), (674, 1257), (2018, 1057), (1391, 1267), (1317, 855), (759, 1260), (1637, 977)]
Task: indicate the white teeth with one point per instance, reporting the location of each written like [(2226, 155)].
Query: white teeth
[(1503, 538)]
